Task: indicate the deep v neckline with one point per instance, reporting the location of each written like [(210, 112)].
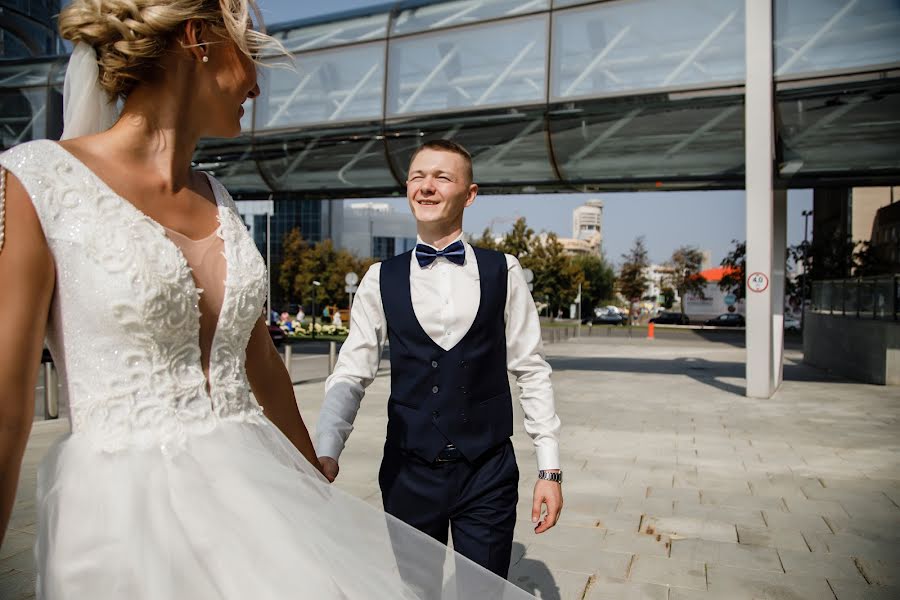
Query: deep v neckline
[(161, 230)]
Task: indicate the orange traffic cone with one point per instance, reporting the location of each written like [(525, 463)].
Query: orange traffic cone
[(650, 331)]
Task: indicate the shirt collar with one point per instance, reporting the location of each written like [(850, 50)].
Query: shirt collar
[(456, 239)]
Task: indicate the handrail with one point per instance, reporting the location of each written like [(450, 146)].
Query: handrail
[(873, 297)]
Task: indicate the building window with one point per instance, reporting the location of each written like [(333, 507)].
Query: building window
[(382, 247)]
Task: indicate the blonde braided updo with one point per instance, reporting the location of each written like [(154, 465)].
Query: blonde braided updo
[(131, 36)]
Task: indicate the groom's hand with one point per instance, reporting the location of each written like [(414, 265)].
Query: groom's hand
[(547, 493), (330, 467)]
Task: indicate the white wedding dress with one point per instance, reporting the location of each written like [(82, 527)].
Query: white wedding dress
[(169, 489)]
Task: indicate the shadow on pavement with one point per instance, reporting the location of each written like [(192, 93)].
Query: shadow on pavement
[(533, 576), (699, 369)]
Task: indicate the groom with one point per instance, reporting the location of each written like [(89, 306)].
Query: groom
[(457, 319)]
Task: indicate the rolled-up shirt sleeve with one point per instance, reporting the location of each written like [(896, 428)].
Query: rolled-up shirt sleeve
[(356, 367), (525, 360)]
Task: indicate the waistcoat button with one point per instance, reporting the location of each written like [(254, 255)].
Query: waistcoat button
[(434, 364), (434, 390)]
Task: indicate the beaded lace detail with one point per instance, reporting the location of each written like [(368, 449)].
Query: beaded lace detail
[(124, 324)]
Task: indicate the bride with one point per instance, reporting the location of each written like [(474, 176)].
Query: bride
[(175, 481)]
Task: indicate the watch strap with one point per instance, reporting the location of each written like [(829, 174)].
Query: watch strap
[(550, 476)]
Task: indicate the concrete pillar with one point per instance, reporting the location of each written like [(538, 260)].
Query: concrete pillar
[(779, 269), (765, 208)]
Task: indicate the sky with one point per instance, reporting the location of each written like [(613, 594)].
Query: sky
[(667, 220)]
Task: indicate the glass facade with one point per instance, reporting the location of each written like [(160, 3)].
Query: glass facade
[(650, 138), (830, 130), (340, 84), (637, 45), (383, 247), (350, 31), (481, 65), (288, 214), (813, 36), (462, 12), (506, 146), (547, 95), (28, 28), (325, 162)]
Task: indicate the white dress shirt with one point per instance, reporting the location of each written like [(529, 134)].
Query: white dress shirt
[(445, 299)]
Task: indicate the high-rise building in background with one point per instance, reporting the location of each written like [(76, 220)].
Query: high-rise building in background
[(373, 229), (364, 228), (845, 220), (28, 29), (587, 229), (587, 220)]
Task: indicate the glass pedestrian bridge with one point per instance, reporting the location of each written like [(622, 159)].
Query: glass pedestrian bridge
[(560, 95)]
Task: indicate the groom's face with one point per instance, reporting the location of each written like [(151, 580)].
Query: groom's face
[(439, 187)]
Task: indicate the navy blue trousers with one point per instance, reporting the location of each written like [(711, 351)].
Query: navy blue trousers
[(475, 502)]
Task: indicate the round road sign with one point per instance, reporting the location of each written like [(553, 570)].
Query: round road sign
[(757, 282), (351, 278)]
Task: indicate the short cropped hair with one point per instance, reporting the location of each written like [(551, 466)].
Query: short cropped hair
[(446, 146)]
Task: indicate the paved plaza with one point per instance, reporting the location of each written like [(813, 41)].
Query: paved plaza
[(677, 487)]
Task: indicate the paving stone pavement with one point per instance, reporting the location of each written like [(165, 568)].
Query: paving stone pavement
[(677, 487)]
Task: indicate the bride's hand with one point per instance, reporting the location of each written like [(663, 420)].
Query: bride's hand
[(330, 467)]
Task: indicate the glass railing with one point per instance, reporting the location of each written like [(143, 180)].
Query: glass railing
[(861, 297)]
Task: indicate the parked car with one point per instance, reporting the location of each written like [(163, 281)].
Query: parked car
[(606, 317), (791, 324), (727, 320), (671, 318), (277, 334)]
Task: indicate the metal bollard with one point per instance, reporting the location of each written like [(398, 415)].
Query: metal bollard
[(51, 392), (332, 356), (288, 357)]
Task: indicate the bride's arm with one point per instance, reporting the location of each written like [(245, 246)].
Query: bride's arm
[(26, 287), (272, 386)]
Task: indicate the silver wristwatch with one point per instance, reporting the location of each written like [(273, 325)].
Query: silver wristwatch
[(550, 476)]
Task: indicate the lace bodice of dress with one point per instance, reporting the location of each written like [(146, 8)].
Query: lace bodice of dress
[(206, 259), (124, 320)]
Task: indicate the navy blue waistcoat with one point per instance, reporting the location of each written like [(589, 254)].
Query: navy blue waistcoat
[(459, 396)]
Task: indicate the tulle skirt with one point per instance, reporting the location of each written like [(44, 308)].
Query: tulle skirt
[(237, 514)]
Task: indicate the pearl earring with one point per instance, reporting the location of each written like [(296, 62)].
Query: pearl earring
[(205, 58)]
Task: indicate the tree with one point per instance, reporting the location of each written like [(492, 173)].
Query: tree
[(294, 247), (633, 273), (599, 281), (303, 263), (684, 273), (734, 279), (556, 277), (872, 259), (519, 240), (486, 240), (668, 295), (831, 257)]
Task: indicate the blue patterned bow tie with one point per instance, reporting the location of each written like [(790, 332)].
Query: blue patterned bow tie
[(455, 253)]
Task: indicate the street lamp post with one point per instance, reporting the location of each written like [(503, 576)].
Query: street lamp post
[(803, 292), (316, 286)]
